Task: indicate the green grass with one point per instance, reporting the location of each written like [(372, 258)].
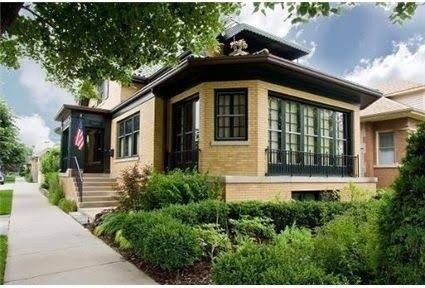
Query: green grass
[(3, 255), (5, 202), (9, 179)]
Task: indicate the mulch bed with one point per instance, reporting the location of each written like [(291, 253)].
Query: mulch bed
[(198, 274)]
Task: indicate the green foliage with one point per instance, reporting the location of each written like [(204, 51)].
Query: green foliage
[(50, 161), (6, 201), (287, 261), (13, 153), (55, 189), (112, 226), (148, 190), (9, 179), (257, 229), (162, 240), (80, 44), (3, 256), (348, 246), (213, 240), (67, 205), (402, 226), (357, 193)]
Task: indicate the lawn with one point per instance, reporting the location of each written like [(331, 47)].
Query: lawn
[(3, 254), (5, 202), (9, 179)]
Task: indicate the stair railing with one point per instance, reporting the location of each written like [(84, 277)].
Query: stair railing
[(79, 180)]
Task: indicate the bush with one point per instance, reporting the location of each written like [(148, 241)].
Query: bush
[(55, 189), (348, 246), (256, 228), (287, 261), (162, 240), (9, 179), (67, 205), (112, 226), (402, 227), (213, 240), (148, 190), (50, 161)]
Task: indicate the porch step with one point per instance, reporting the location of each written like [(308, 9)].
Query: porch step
[(98, 198), (98, 187), (111, 203), (96, 175), (99, 194)]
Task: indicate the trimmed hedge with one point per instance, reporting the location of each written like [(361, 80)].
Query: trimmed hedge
[(309, 214)]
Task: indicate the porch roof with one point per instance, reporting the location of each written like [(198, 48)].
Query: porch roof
[(66, 110), (264, 66)]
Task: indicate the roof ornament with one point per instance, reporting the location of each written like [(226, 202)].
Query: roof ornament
[(238, 46)]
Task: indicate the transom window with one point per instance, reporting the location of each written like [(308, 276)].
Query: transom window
[(231, 114), (386, 148), (300, 127), (128, 136)]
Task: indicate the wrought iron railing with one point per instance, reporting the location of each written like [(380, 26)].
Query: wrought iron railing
[(79, 180), (297, 163), (185, 159)]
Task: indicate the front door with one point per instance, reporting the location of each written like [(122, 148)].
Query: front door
[(95, 150), (185, 134)]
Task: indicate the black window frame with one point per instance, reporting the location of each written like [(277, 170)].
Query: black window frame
[(347, 122), (234, 91), (133, 135)]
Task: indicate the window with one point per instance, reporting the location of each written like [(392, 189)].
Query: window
[(231, 114), (386, 148), (306, 128), (306, 195), (128, 136)]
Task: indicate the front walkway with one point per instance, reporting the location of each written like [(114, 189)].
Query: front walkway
[(46, 246)]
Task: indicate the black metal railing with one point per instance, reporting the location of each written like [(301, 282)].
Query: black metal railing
[(185, 159), (79, 180), (297, 163)]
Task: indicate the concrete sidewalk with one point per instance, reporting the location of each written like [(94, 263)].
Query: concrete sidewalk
[(46, 246)]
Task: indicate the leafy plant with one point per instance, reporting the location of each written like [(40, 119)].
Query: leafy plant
[(67, 205), (50, 161), (213, 240), (3, 256), (55, 188), (132, 187), (256, 228)]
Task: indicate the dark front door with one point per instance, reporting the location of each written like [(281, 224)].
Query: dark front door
[(95, 150), (185, 119)]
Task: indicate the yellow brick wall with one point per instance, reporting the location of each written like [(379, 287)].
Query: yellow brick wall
[(282, 191), (68, 187), (149, 153)]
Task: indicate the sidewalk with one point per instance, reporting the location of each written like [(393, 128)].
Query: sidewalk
[(46, 246)]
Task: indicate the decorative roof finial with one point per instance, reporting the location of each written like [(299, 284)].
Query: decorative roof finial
[(238, 46)]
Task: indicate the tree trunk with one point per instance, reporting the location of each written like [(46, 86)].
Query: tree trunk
[(8, 14)]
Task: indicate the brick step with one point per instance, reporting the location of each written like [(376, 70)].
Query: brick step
[(98, 198), (85, 204)]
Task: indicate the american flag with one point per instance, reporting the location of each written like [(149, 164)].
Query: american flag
[(79, 137)]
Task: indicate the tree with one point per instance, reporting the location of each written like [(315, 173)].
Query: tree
[(13, 153), (403, 222), (50, 161), (80, 44)]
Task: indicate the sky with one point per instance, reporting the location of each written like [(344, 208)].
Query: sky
[(360, 45)]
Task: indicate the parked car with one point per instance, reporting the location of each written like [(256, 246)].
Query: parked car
[(1, 178)]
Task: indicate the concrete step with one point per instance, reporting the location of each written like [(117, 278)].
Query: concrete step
[(98, 198), (99, 187), (85, 183), (96, 175), (98, 204), (99, 193)]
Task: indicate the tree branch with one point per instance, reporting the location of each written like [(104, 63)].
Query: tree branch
[(38, 16), (8, 14)]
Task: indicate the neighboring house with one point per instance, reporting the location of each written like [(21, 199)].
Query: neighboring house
[(269, 126), (386, 125), (35, 165)]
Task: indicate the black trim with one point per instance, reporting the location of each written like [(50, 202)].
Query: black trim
[(230, 90)]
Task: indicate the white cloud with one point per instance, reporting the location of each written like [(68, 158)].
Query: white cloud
[(34, 132), (407, 62), (43, 93), (273, 22), (305, 60)]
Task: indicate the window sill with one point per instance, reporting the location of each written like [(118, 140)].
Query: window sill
[(387, 166), (128, 159), (230, 143)]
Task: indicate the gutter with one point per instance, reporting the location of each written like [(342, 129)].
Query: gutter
[(412, 112)]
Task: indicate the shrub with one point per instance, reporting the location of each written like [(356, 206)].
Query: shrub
[(255, 228), (111, 226), (356, 193), (50, 161), (213, 240), (162, 240), (67, 205), (9, 179), (402, 226), (287, 261), (348, 246), (148, 190), (55, 189)]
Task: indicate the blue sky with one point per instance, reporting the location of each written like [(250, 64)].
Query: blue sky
[(361, 45)]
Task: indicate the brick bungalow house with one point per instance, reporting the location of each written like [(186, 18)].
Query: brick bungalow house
[(385, 126), (269, 126)]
